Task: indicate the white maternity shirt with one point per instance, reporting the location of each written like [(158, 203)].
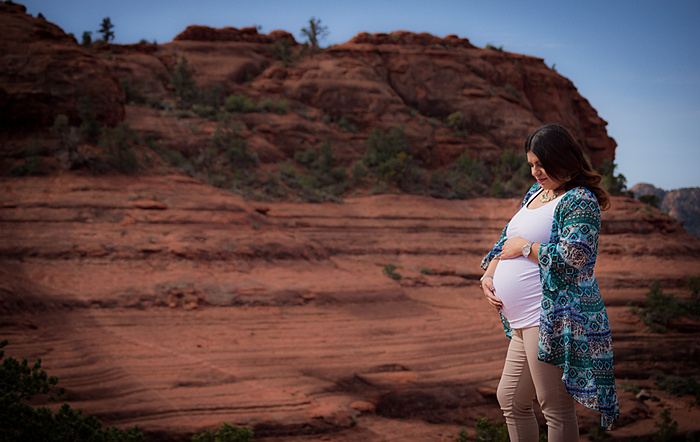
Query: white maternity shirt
[(517, 280)]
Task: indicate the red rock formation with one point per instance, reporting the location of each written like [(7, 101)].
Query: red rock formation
[(44, 72), (186, 306), (250, 35)]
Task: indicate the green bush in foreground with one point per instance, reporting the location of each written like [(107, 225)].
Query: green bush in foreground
[(226, 433), (20, 382), (20, 422)]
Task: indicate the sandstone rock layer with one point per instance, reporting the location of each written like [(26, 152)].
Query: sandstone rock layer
[(163, 302)]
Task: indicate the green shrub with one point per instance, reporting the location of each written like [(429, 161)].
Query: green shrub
[(614, 184), (181, 79), (324, 181), (650, 200), (383, 146), (346, 125), (132, 93), (87, 39), (465, 178), (31, 166), (659, 308), (678, 385), (389, 157), (239, 104), (491, 432), (204, 111), (227, 141), (358, 171), (667, 428), (313, 187), (281, 51), (390, 271), (211, 97), (154, 103), (19, 421), (119, 151), (510, 89), (90, 126), (458, 123), (462, 436), (69, 136), (271, 105), (226, 433)]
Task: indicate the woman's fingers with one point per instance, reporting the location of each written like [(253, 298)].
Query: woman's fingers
[(491, 298)]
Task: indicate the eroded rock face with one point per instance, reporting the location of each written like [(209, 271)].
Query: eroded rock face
[(44, 73), (381, 81), (249, 34)]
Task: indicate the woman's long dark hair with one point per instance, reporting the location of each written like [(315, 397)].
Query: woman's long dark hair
[(562, 158)]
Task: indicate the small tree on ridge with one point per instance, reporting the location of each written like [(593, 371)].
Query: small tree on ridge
[(106, 30), (315, 32)]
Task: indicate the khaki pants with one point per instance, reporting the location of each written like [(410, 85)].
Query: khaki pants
[(525, 377)]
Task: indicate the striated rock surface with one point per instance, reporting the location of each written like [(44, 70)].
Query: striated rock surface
[(163, 302), (44, 72)]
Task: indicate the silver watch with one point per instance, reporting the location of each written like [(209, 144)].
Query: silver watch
[(527, 248)]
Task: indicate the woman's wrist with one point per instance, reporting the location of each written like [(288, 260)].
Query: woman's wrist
[(482, 279)]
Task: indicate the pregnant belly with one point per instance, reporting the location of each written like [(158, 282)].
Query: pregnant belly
[(517, 284)]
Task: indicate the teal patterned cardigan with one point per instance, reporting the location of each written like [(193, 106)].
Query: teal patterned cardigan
[(574, 328)]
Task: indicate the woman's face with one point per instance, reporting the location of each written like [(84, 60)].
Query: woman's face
[(540, 175)]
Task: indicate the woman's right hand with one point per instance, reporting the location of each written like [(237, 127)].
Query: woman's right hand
[(490, 293)]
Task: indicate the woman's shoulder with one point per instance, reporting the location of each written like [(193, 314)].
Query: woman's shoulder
[(534, 189), (580, 193), (579, 199)]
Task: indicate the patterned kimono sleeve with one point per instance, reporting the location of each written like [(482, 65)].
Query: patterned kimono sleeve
[(570, 258)]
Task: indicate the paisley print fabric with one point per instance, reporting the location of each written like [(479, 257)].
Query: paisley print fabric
[(574, 328)]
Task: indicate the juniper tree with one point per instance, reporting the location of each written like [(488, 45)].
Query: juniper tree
[(106, 30)]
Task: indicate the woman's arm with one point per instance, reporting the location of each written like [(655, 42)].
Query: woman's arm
[(513, 248)]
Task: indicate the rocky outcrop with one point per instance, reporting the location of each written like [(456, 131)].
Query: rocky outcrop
[(401, 79), (45, 72), (681, 204), (250, 35)]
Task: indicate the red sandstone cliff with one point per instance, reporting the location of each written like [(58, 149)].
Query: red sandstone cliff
[(381, 81), (43, 73)]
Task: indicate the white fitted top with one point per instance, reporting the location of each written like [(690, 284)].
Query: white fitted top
[(517, 280)]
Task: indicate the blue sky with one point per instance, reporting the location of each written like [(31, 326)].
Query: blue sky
[(636, 61)]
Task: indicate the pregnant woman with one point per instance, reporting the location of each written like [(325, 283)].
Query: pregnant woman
[(539, 276)]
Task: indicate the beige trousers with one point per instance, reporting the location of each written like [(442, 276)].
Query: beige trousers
[(525, 377)]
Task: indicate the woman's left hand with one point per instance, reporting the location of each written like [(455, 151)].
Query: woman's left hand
[(513, 247)]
